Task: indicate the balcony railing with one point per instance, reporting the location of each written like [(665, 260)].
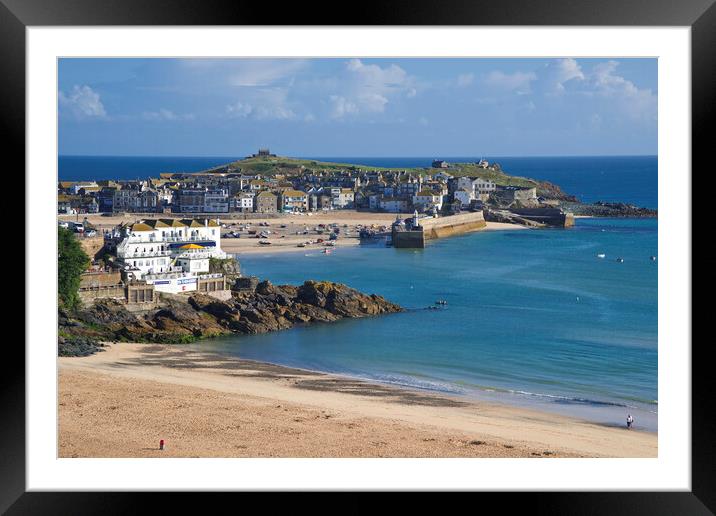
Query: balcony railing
[(154, 254), (195, 255), (211, 276), (168, 275), (185, 238)]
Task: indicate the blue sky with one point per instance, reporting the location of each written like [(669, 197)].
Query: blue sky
[(358, 107)]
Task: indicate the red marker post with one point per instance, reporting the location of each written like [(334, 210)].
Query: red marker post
[(161, 444)]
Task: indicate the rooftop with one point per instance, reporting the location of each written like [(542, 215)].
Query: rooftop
[(152, 224)]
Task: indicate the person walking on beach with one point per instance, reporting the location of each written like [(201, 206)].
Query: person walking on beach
[(630, 421)]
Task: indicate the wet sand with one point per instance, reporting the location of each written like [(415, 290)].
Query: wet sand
[(120, 402)]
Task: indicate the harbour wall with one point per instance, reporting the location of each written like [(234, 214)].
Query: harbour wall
[(409, 239), (440, 227), (546, 216), (452, 225)]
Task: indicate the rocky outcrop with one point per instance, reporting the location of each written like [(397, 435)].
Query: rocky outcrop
[(78, 346), (610, 209), (229, 267), (551, 191), (182, 319)]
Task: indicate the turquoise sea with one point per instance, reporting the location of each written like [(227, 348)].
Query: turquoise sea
[(534, 318)]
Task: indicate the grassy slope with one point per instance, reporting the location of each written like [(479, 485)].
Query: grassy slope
[(283, 165)]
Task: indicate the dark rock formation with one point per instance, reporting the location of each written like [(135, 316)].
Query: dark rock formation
[(245, 283), (610, 209), (182, 319), (77, 346), (551, 191)]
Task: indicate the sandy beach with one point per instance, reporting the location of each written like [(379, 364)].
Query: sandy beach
[(120, 402)]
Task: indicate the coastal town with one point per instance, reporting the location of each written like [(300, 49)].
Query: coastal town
[(170, 234), (166, 233), (294, 187)]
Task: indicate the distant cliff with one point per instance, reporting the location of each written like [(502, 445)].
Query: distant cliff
[(185, 319)]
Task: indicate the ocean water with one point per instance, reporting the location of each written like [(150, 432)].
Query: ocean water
[(534, 318), (87, 168), (631, 179)]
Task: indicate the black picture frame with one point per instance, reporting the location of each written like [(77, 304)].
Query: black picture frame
[(700, 15)]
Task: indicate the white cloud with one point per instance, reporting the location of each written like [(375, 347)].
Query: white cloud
[(274, 113), (82, 103), (166, 115), (261, 72), (340, 106), (368, 88), (465, 79), (636, 103), (518, 82), (557, 73), (239, 110), (243, 72), (263, 104), (565, 86)]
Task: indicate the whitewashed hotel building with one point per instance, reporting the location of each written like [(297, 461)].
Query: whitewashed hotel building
[(169, 253)]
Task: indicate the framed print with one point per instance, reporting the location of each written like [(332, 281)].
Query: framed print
[(447, 249)]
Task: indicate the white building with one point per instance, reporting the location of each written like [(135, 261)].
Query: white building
[(427, 199), (75, 189), (466, 183), (216, 200), (170, 253), (244, 202), (342, 197), (443, 176), (394, 204), (464, 195), (484, 186)]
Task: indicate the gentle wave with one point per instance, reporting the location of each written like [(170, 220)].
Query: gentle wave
[(453, 388)]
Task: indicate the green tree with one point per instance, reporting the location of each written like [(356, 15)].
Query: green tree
[(71, 262)]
